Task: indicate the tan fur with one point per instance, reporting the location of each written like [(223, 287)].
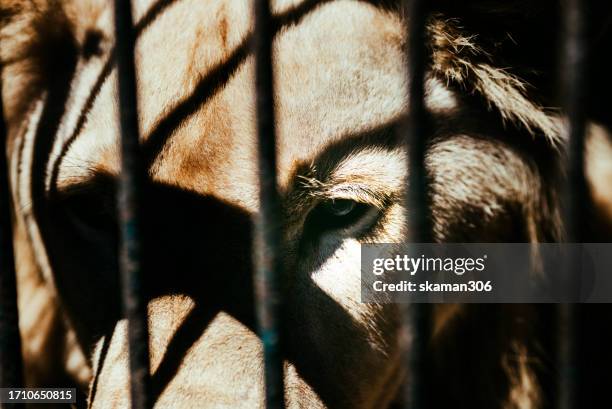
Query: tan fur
[(524, 393), (599, 172)]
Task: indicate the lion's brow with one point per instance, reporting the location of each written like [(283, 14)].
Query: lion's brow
[(348, 168), (336, 151)]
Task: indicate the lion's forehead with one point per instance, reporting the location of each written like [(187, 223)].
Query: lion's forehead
[(338, 67)]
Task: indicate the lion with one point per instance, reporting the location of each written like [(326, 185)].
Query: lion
[(493, 161)]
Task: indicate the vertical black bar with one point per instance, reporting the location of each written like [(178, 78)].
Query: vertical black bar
[(415, 330), (574, 98), (268, 229), (566, 356), (130, 205), (11, 371)]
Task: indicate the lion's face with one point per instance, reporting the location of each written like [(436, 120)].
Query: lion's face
[(340, 82), (341, 175)]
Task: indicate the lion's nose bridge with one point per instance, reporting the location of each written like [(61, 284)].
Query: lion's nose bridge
[(267, 237)]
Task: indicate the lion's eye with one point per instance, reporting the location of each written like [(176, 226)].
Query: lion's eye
[(340, 207), (334, 214)]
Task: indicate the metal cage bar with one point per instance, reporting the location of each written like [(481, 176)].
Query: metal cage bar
[(413, 130), (573, 87), (268, 226), (11, 370), (574, 98), (130, 191)]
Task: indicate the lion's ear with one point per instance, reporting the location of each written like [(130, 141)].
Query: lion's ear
[(526, 35), (521, 34), (502, 50), (492, 68)]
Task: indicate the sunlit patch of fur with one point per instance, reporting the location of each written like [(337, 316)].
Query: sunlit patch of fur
[(599, 169), (525, 392)]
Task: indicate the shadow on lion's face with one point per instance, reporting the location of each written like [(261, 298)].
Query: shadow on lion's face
[(340, 81)]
